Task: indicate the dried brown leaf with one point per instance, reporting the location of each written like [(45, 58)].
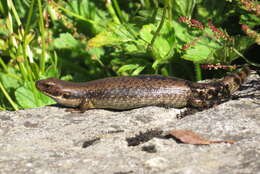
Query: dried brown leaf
[(189, 137)]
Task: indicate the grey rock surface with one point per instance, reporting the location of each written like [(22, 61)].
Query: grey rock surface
[(49, 140)]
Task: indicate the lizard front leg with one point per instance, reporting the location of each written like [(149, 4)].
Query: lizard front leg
[(85, 104)]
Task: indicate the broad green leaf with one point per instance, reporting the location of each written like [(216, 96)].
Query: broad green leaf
[(146, 32), (161, 48), (66, 41), (202, 51), (115, 35), (181, 33), (199, 54), (89, 10), (164, 41), (213, 10), (132, 48), (9, 81), (96, 53), (28, 96), (104, 38)]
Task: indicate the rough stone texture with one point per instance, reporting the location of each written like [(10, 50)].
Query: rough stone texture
[(50, 140)]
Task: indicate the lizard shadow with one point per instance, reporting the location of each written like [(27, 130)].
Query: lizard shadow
[(108, 109), (254, 85)]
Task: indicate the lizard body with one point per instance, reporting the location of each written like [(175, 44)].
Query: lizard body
[(130, 92)]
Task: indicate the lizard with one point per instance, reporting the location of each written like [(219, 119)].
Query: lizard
[(129, 92)]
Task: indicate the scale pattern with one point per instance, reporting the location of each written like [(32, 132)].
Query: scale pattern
[(123, 93)]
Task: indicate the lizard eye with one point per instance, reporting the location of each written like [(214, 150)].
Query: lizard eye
[(47, 86), (66, 95)]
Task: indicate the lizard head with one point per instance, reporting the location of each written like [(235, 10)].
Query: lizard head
[(61, 91)]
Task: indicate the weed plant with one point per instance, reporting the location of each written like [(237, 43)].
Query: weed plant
[(83, 40)]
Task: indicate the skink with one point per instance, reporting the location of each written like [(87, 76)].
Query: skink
[(123, 93)]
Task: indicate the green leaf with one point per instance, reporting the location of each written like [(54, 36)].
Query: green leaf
[(134, 48), (127, 68), (146, 32), (9, 81), (51, 71), (131, 69), (161, 48), (66, 41), (159, 62), (115, 35), (164, 42), (203, 51), (96, 53), (213, 10), (138, 70), (250, 19), (90, 11), (199, 54), (227, 55), (181, 34), (28, 96), (243, 42), (184, 7)]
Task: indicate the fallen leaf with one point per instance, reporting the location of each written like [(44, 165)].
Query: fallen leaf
[(189, 137)]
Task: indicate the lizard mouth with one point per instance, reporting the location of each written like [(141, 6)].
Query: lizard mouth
[(47, 88)]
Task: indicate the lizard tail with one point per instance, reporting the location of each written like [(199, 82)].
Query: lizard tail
[(234, 80), (205, 95)]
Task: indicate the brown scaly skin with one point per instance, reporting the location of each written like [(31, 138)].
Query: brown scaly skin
[(123, 93)]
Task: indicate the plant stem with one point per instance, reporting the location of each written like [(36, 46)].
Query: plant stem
[(198, 71), (13, 104), (159, 28), (112, 12), (16, 16), (27, 27), (29, 17), (2, 10), (42, 30), (119, 12), (78, 16), (147, 4), (248, 61), (3, 65), (170, 11)]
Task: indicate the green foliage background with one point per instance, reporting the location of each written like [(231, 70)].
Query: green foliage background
[(82, 40)]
